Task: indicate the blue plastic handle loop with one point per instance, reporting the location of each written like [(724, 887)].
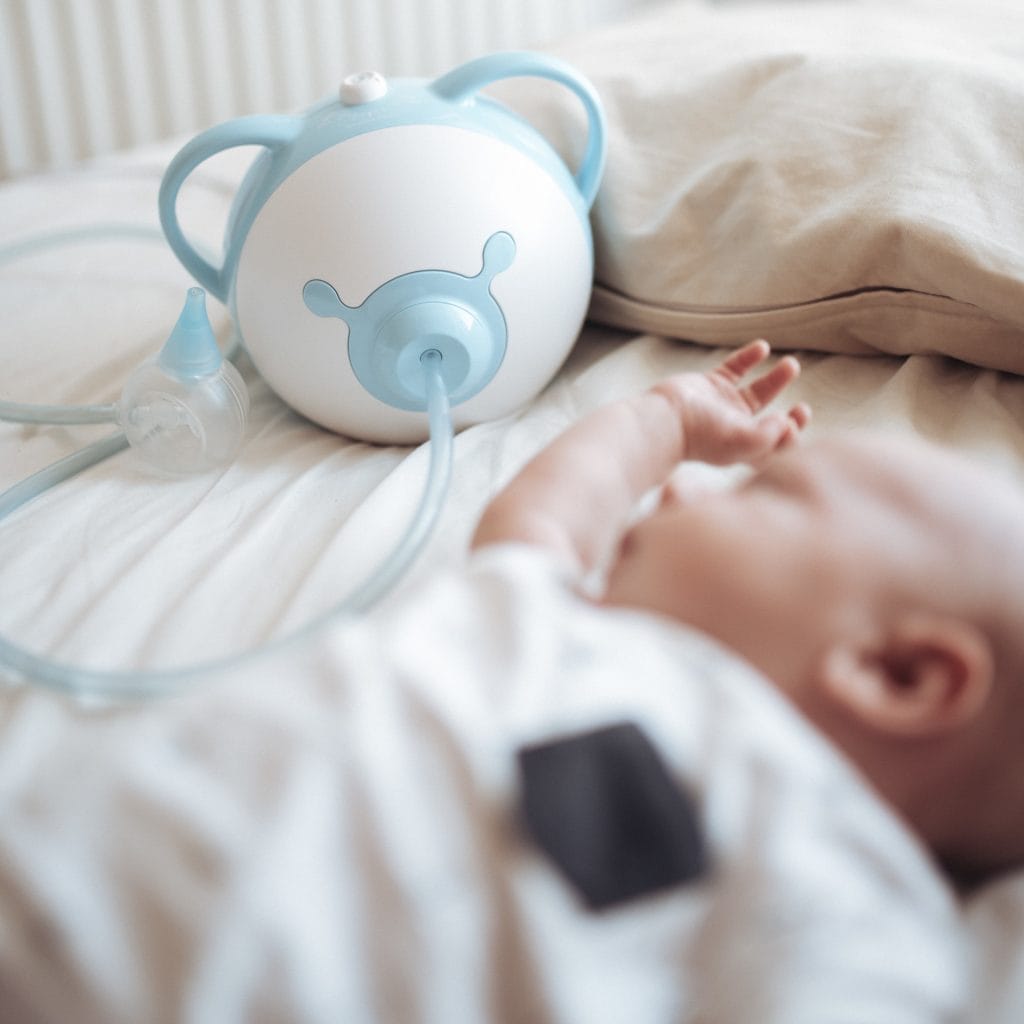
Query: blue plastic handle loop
[(467, 79), (272, 131)]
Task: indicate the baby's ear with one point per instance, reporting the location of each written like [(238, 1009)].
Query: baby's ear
[(925, 676)]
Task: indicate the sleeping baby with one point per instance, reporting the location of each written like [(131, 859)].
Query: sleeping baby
[(716, 792), (874, 581)]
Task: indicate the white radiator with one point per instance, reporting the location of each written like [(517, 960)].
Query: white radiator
[(83, 77)]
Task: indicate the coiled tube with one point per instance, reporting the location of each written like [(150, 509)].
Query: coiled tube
[(22, 665)]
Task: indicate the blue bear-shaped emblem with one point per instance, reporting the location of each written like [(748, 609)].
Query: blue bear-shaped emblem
[(418, 312)]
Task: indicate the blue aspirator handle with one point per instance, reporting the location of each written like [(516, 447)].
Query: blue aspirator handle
[(467, 79), (274, 131)]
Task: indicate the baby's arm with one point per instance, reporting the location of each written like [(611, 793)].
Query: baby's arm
[(576, 495)]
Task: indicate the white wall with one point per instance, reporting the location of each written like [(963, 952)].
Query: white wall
[(83, 77)]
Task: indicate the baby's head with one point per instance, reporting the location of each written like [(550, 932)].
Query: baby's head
[(880, 585)]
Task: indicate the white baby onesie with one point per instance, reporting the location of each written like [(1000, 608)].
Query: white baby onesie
[(338, 835)]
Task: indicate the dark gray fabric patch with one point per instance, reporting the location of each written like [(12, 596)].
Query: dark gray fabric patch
[(603, 806)]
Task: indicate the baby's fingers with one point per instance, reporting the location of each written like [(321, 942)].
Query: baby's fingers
[(800, 415), (770, 384), (759, 393), (780, 430), (743, 360)]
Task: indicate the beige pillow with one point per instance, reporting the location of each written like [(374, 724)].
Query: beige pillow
[(831, 175)]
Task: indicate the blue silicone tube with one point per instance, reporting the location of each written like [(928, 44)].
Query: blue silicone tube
[(22, 665)]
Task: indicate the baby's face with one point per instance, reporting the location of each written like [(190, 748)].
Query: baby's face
[(791, 558), (901, 560)]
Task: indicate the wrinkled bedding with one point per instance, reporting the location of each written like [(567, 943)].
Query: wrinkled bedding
[(104, 835)]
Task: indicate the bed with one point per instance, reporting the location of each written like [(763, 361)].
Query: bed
[(842, 178)]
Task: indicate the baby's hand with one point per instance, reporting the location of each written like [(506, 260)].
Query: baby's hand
[(720, 418)]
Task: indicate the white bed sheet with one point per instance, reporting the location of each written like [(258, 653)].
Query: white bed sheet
[(119, 569)]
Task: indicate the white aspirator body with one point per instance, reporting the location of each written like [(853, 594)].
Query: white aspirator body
[(402, 249), (396, 219)]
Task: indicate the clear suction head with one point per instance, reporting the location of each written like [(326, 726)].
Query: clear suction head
[(185, 410)]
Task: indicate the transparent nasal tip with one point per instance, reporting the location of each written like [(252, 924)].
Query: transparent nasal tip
[(191, 350), (194, 312)]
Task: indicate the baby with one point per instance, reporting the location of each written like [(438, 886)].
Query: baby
[(871, 580), (358, 829)]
